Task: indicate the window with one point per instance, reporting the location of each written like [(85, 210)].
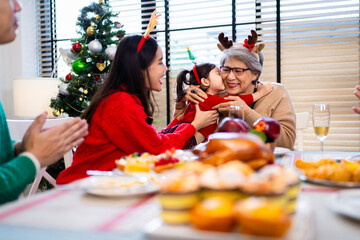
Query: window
[(312, 47), (46, 35)]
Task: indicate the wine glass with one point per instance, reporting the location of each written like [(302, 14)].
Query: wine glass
[(236, 111), (321, 121)]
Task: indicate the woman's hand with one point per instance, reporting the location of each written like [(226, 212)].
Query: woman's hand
[(204, 118), (233, 101), (50, 145), (195, 94)]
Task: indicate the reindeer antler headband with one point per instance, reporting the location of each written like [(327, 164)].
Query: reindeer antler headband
[(249, 43), (152, 23)]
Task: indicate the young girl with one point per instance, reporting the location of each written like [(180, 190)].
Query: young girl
[(208, 77), (120, 113)]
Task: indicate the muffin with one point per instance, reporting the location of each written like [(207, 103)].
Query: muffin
[(224, 181), (293, 189), (268, 182), (213, 214), (255, 216), (178, 194)]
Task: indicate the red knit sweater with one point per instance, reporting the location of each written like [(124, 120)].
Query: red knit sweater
[(207, 105), (118, 128)]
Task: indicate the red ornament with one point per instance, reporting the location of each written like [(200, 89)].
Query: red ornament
[(117, 25), (68, 77), (97, 77), (120, 36), (76, 47)]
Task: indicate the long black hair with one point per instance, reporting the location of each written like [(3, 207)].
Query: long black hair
[(126, 74), (202, 70)]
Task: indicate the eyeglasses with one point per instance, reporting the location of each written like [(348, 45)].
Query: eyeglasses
[(237, 71)]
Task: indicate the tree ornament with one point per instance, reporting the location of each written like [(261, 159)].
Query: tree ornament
[(117, 25), (90, 31), (62, 110), (80, 99), (81, 89), (101, 1), (95, 46), (85, 91), (110, 52), (76, 47), (89, 75), (67, 55), (120, 36), (100, 66), (79, 66), (97, 77), (63, 89), (56, 113), (68, 77)]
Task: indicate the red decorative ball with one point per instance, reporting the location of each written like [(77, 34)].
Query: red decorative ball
[(76, 47), (120, 36), (68, 77), (97, 77)]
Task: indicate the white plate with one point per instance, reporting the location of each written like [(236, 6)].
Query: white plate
[(118, 186), (347, 203), (303, 227), (280, 151)]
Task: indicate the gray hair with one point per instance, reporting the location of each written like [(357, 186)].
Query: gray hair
[(252, 60)]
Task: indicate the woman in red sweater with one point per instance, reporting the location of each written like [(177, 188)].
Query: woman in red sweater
[(120, 113)]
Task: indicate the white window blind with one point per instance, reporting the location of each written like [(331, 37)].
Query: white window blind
[(319, 62), (46, 33)]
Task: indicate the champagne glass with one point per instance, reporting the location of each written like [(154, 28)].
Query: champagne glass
[(236, 111), (321, 121)]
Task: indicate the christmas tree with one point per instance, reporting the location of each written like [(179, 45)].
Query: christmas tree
[(91, 57)]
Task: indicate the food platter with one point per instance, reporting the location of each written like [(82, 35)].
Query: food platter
[(302, 228), (347, 203), (328, 183), (289, 159), (118, 186), (280, 151)]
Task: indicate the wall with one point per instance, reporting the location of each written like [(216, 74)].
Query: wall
[(19, 59)]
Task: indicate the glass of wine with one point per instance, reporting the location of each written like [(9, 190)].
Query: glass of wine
[(236, 111), (321, 121)]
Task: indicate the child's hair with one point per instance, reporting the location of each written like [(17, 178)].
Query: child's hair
[(126, 74), (202, 70)]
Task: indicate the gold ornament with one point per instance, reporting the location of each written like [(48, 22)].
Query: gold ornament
[(100, 66), (85, 91), (56, 113), (98, 17), (80, 99), (101, 1), (62, 110), (90, 30)]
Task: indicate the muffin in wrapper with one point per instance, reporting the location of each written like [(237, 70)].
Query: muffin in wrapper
[(224, 181), (257, 216), (213, 214), (178, 194), (293, 189)]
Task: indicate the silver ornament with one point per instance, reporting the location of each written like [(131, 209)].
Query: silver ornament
[(95, 46), (63, 89), (67, 55), (110, 52)]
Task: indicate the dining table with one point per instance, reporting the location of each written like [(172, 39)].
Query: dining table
[(71, 212)]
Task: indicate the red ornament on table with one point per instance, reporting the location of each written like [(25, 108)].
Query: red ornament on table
[(68, 77), (76, 47)]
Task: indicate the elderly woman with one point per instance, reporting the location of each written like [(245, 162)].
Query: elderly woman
[(241, 66)]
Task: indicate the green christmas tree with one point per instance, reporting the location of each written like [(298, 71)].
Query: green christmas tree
[(91, 57)]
